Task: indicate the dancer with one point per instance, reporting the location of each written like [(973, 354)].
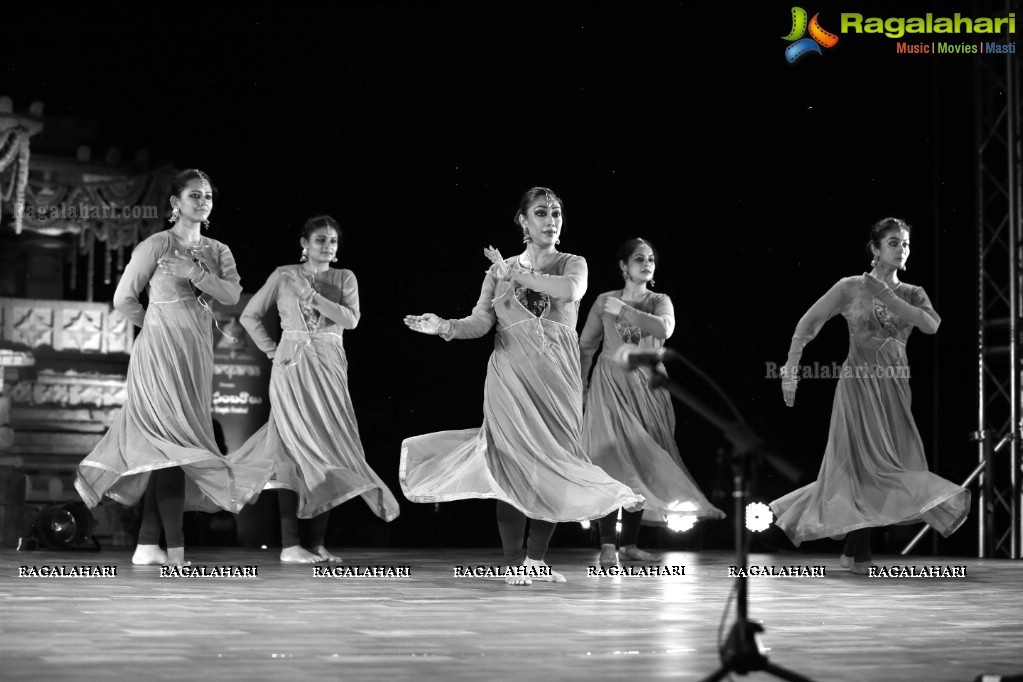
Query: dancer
[(311, 435), (527, 454), (629, 428), (874, 471), (161, 442)]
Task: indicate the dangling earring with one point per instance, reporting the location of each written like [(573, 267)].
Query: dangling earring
[(175, 215), (205, 224), (903, 267), (873, 262), (305, 255), (650, 284), (334, 259), (625, 275), (557, 241), (525, 236)]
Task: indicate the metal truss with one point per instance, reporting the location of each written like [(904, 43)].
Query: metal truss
[(999, 287)]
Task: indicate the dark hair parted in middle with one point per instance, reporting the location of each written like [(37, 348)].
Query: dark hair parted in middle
[(318, 221), (881, 228)]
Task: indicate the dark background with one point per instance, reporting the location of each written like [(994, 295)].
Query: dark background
[(419, 125)]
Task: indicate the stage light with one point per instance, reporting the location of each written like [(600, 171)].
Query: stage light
[(618, 527), (680, 517), (679, 523), (67, 525), (585, 525), (758, 516)]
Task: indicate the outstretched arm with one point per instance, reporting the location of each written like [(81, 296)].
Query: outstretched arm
[(826, 307), (480, 321)]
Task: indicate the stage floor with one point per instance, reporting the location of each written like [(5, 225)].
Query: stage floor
[(286, 623)]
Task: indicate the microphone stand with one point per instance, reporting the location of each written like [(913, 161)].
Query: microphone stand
[(741, 652)]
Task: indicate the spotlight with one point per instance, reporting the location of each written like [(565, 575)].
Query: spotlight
[(758, 516), (67, 525), (585, 525), (678, 523)]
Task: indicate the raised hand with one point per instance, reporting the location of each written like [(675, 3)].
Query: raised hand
[(427, 323), (873, 284), (503, 271), (179, 266)]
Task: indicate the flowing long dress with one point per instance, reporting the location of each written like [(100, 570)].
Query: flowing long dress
[(312, 434), (528, 452), (629, 428), (874, 471), (166, 420)]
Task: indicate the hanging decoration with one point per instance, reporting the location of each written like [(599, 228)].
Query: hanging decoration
[(15, 132), (112, 209)]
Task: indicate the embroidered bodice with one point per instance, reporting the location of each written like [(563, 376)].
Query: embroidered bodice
[(219, 276)]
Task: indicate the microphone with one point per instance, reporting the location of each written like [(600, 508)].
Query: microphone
[(630, 357)]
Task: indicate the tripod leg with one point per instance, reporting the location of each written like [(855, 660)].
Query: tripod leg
[(784, 673)]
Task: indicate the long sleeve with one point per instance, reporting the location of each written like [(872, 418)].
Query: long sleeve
[(920, 313), (255, 310), (482, 318), (590, 338), (659, 324), (570, 286), (225, 286), (346, 313), (826, 307), (134, 279)]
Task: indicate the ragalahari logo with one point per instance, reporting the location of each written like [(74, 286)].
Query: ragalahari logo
[(801, 46)]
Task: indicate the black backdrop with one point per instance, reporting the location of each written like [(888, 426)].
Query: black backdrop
[(419, 125)]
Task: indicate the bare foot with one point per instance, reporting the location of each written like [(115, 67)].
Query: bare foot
[(323, 555), (608, 556), (296, 554), (547, 575), (149, 555), (513, 579), (176, 557), (636, 554)]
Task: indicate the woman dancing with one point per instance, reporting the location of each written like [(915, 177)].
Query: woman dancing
[(629, 428), (161, 442), (311, 435), (874, 471), (527, 454)]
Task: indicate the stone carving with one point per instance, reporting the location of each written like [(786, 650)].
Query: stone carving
[(67, 326), (71, 389)]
